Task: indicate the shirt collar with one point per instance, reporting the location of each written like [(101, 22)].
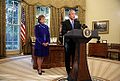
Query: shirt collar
[(70, 20)]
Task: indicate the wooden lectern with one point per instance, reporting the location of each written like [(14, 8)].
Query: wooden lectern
[(80, 70)]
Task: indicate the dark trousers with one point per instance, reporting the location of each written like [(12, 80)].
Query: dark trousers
[(69, 53)]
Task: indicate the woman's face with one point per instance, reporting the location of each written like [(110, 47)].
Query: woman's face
[(42, 20)]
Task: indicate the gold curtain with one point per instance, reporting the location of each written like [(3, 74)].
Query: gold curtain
[(55, 21), (30, 22), (81, 15), (2, 28)]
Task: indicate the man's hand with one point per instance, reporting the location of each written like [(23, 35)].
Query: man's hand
[(68, 31)]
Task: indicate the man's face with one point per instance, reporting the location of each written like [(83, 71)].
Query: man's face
[(72, 15)]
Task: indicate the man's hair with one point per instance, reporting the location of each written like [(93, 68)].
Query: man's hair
[(71, 11), (39, 18)]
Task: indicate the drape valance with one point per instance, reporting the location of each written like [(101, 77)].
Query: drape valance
[(58, 3)]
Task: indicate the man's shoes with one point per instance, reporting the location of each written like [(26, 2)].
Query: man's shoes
[(69, 78)]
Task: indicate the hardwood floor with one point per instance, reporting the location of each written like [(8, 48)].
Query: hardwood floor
[(20, 69)]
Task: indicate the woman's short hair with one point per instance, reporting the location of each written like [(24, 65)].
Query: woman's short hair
[(39, 18)]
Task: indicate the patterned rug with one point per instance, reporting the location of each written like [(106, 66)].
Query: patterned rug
[(20, 69)]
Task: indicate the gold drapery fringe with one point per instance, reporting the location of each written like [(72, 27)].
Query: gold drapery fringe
[(2, 28)]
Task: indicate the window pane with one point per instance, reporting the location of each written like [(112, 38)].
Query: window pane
[(8, 45), (16, 36), (10, 20), (15, 20), (15, 45), (16, 13), (9, 34)]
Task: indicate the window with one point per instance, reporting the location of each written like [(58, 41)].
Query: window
[(42, 10), (12, 25)]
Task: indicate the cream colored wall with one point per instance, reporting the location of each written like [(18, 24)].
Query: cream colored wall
[(105, 10)]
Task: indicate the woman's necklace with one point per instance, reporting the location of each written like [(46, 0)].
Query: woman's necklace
[(42, 26)]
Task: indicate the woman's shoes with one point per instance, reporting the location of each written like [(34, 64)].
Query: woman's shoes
[(43, 71), (40, 71)]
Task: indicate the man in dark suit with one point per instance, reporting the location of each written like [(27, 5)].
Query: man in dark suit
[(69, 44)]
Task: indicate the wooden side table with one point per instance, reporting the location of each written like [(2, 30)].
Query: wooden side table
[(116, 51), (98, 50)]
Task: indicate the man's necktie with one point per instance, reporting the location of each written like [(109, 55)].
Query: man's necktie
[(72, 24)]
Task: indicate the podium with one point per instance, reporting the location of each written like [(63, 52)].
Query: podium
[(80, 71)]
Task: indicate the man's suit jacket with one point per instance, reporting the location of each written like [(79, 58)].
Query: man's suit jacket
[(67, 26)]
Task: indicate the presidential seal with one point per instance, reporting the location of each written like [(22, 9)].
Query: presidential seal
[(87, 32)]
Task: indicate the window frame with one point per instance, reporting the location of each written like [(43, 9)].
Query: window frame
[(12, 51)]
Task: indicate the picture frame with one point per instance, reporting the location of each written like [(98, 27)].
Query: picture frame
[(101, 26)]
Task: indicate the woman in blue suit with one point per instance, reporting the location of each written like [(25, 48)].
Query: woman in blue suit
[(42, 41)]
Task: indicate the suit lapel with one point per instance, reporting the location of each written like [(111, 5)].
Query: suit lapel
[(70, 25), (75, 24)]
